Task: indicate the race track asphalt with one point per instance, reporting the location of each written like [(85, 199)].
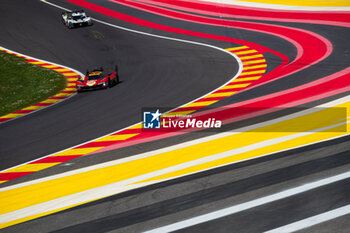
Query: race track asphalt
[(182, 198), (144, 62), (154, 72)]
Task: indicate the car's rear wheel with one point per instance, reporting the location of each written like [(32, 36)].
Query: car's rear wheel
[(116, 74)]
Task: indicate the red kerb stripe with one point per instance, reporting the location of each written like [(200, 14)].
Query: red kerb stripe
[(56, 159), (12, 175)]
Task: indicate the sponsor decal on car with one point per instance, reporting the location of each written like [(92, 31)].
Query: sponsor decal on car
[(91, 83)]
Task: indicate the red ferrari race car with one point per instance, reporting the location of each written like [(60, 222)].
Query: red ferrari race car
[(96, 79)]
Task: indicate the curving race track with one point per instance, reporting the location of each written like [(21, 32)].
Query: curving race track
[(155, 72), (280, 169)]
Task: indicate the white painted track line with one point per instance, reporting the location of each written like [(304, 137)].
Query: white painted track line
[(195, 142), (278, 7), (239, 62), (129, 184), (250, 204), (314, 220)]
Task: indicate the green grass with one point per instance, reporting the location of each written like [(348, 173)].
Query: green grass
[(23, 84)]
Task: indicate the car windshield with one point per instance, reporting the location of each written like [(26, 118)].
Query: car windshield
[(94, 77), (77, 17)]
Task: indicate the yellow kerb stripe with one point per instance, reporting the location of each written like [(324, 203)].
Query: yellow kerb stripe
[(70, 88), (138, 126), (237, 48), (63, 94), (78, 151), (222, 94), (37, 62), (236, 86), (252, 56), (203, 103), (50, 101), (61, 70), (245, 52), (33, 107), (246, 79), (32, 167), (49, 66), (3, 225), (180, 113), (308, 3), (12, 115), (23, 197), (254, 67), (253, 62), (120, 137), (70, 74), (72, 79), (253, 72)]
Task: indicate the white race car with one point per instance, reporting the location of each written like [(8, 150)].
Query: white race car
[(76, 19)]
